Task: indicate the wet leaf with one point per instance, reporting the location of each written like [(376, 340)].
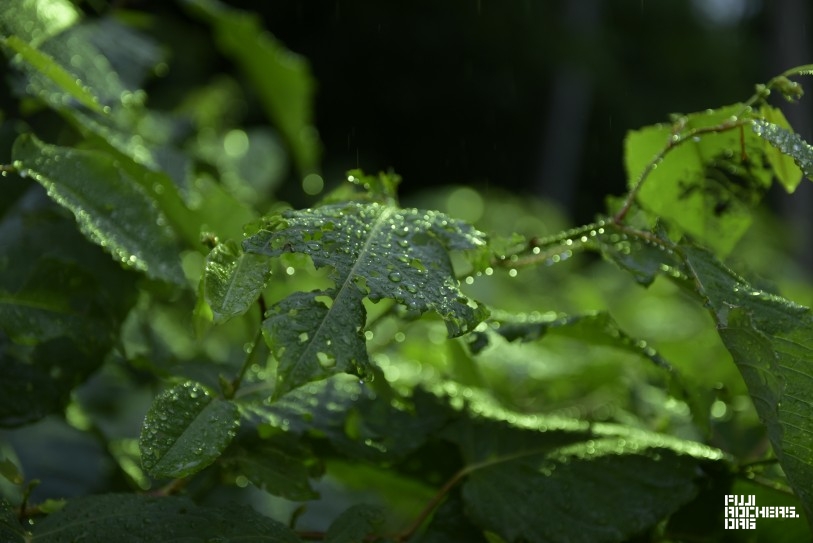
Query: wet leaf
[(62, 302), (352, 417), (784, 167), (576, 482), (110, 207), (10, 529), (33, 25), (233, 280), (131, 518), (47, 67), (185, 430), (281, 465), (789, 143), (375, 251), (354, 524), (771, 340)]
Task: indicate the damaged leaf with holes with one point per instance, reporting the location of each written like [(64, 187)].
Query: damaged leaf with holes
[(709, 184), (375, 251)]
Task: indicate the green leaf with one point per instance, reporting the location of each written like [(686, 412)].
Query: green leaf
[(708, 184), (353, 417), (354, 524), (377, 251), (185, 430), (382, 187), (110, 208), (450, 523), (52, 368), (10, 472), (281, 78), (61, 305), (313, 342), (131, 518), (281, 465), (784, 167), (771, 341), (788, 142), (577, 482), (55, 73), (36, 20), (593, 328), (233, 280), (10, 529)]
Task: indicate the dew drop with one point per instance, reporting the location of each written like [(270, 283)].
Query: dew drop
[(395, 277)]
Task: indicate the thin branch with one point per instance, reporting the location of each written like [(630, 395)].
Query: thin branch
[(258, 349), (674, 141)]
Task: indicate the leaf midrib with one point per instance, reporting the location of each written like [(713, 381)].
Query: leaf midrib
[(338, 300)]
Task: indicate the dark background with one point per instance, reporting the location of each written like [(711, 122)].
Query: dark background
[(533, 96)]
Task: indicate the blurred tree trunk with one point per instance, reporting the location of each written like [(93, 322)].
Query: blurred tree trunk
[(568, 114)]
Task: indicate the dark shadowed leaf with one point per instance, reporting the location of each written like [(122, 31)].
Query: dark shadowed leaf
[(185, 430), (575, 482), (354, 524), (10, 529), (61, 303), (130, 518), (450, 523), (281, 465)]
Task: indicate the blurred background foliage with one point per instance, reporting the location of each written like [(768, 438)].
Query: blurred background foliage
[(510, 115)]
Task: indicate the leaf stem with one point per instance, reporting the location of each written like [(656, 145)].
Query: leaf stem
[(431, 505), (675, 140), (542, 249), (258, 349)]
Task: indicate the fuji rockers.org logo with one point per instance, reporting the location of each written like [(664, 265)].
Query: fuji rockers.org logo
[(741, 512)]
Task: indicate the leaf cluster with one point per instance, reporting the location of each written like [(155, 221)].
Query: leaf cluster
[(361, 370)]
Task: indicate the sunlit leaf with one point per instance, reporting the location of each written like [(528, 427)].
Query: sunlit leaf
[(707, 185), (46, 66), (132, 517), (375, 251), (771, 340), (36, 20), (786, 171), (354, 524), (110, 208), (185, 430), (788, 142), (233, 280)]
